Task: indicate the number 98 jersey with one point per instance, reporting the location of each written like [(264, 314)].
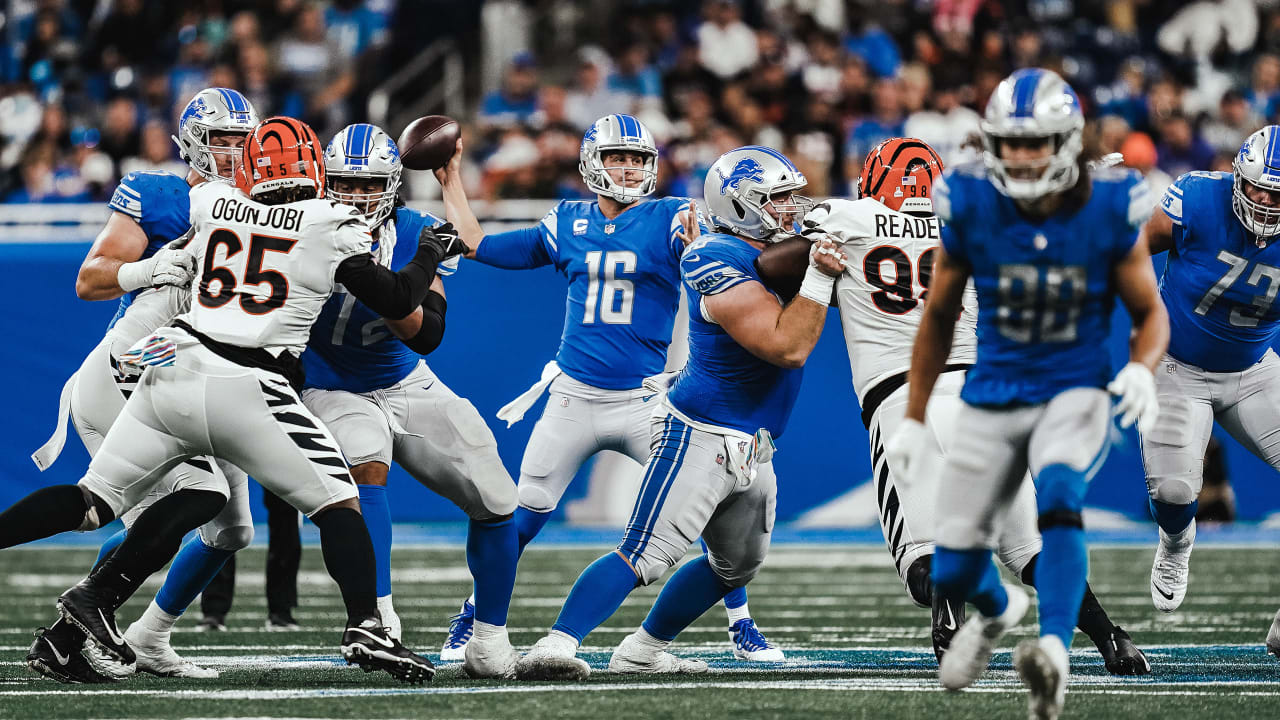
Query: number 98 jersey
[(1045, 291), (264, 271), (881, 295)]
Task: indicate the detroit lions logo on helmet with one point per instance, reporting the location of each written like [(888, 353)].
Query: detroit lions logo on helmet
[(590, 136), (746, 169), (195, 109)]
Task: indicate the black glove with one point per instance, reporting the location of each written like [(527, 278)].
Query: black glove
[(443, 241)]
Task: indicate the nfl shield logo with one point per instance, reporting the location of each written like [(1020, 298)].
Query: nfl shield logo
[(719, 458), (1041, 242), (608, 229)]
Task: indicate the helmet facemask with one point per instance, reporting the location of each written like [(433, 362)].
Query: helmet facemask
[(598, 178), (376, 206), (779, 216), (1261, 220), (1057, 171)]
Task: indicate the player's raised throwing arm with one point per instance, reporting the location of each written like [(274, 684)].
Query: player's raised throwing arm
[(456, 207), (1135, 282)]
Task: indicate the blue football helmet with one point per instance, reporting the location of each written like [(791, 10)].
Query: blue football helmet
[(220, 110), (364, 151), (738, 191), (1258, 163), (614, 133), (1033, 103)]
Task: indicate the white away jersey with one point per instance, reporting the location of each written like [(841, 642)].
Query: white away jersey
[(882, 293), (264, 271)]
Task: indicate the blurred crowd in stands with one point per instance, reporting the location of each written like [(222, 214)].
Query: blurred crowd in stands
[(92, 88)]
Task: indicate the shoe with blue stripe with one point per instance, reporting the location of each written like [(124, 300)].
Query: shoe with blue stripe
[(750, 644), (460, 628)]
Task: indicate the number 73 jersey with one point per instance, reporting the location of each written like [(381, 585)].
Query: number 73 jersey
[(1219, 286), (881, 295), (1045, 286), (263, 272)]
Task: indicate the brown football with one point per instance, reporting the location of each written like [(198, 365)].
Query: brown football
[(428, 142), (782, 265)]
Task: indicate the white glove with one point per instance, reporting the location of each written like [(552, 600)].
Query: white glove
[(169, 266), (1135, 387), (905, 446)]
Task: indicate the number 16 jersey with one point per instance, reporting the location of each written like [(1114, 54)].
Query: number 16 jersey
[(881, 295), (263, 272)]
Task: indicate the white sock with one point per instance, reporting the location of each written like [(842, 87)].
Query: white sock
[(156, 621), (472, 599), (651, 642), (738, 613), (563, 638), (384, 604), (484, 631)]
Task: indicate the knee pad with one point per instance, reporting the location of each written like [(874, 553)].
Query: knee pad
[(1059, 488), (652, 565), (230, 539), (468, 424), (497, 494), (919, 584), (733, 576), (535, 497), (1173, 490)]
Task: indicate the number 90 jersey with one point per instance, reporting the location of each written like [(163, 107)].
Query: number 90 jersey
[(1045, 291), (264, 271), (882, 294)]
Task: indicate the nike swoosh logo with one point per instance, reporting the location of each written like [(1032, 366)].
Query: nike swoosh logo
[(1167, 595), (62, 659), (950, 624), (381, 641), (110, 630)]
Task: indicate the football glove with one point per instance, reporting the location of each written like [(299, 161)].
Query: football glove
[(443, 241), (169, 266), (1135, 387)]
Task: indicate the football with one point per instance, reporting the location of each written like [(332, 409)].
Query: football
[(429, 142), (782, 265)]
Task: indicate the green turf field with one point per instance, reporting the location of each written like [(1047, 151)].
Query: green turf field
[(856, 647)]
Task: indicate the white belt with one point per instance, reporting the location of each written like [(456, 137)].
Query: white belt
[(52, 448), (513, 412), (745, 452)]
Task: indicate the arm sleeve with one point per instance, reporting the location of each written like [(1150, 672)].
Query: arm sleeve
[(523, 249), (432, 330), (386, 293)]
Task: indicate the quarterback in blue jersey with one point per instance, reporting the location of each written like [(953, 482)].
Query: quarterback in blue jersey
[(622, 260), (128, 259), (710, 473), (367, 381), (1219, 283), (1049, 245)]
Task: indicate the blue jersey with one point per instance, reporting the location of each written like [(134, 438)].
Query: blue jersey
[(723, 383), (351, 348), (624, 284), (1218, 285), (160, 203), (1045, 291)]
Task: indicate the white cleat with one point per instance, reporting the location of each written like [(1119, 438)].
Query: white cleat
[(751, 645), (104, 663), (1171, 568), (633, 655), (489, 654), (157, 656), (552, 658), (1043, 666), (461, 627), (971, 648), (1273, 637)]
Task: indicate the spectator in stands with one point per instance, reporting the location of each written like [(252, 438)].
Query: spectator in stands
[(726, 45), (92, 166), (821, 74), (1234, 122), (45, 182), (636, 77), (590, 98), (877, 48), (317, 72), (353, 27), (1181, 148), (1264, 88), (1127, 96), (517, 100), (157, 152), (948, 126), (886, 121)]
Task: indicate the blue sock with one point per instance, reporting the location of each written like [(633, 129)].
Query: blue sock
[(377, 517), (112, 543), (492, 550), (690, 592), (1173, 518), (192, 569), (529, 524), (970, 575), (596, 595), (1063, 568)]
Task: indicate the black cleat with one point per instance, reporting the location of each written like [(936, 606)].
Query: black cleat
[(212, 623), (56, 654), (919, 581), (85, 607), (282, 622), (948, 616), (1121, 656), (369, 646)]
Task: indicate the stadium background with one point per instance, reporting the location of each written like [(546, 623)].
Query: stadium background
[(92, 89)]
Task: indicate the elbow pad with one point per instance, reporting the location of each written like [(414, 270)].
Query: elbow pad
[(432, 331)]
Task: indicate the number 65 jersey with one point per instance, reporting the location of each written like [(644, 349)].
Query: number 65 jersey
[(264, 271), (1045, 289), (881, 295)]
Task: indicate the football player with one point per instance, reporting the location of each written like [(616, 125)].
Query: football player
[(226, 375), (367, 381), (710, 473), (1219, 282), (622, 259), (890, 236), (129, 256), (1049, 245)]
